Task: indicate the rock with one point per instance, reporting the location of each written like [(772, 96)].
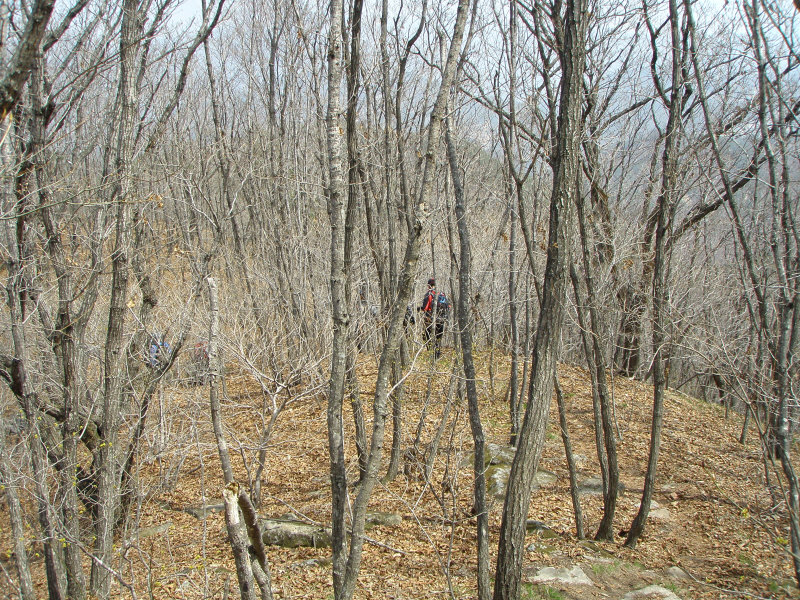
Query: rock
[(573, 576), (677, 573), (580, 459), (543, 478), (540, 547), (294, 534), (651, 592), (669, 488), (534, 525), (540, 529), (384, 519), (499, 455), (659, 514), (203, 511), (496, 480), (146, 532), (498, 461), (596, 548), (594, 487)]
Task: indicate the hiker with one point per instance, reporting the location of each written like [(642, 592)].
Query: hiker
[(435, 309), (409, 319), (158, 351)]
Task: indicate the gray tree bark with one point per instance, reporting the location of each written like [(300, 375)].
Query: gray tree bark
[(15, 516), (465, 326), (565, 160), (665, 211)]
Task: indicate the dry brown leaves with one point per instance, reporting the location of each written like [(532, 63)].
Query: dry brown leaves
[(723, 529)]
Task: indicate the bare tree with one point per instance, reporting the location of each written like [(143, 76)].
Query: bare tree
[(346, 565), (773, 314), (674, 98), (570, 30)]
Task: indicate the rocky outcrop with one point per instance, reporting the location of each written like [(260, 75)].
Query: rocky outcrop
[(498, 461)]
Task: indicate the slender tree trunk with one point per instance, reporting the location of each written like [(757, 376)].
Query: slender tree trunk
[(67, 359), (214, 368), (239, 526), (353, 191), (397, 411), (108, 480), (545, 350), (465, 327), (346, 569), (513, 382), (665, 208), (573, 469), (238, 541), (588, 350), (596, 358), (15, 515), (337, 207)]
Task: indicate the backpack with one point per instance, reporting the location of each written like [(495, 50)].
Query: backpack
[(158, 353), (442, 306)]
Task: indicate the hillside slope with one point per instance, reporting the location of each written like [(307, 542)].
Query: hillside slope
[(715, 519)]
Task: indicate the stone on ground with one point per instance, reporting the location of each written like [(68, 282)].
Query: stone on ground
[(677, 573), (651, 592), (594, 487), (294, 534), (571, 576)]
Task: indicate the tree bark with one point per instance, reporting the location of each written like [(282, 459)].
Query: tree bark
[(465, 327), (573, 469), (565, 162), (28, 51), (238, 540), (15, 515), (661, 259)]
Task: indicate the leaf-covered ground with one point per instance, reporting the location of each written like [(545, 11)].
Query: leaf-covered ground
[(720, 524)]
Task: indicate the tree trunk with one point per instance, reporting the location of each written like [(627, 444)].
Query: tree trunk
[(573, 470), (346, 568), (666, 203), (337, 206), (565, 162), (238, 541), (465, 327), (596, 363), (15, 516)]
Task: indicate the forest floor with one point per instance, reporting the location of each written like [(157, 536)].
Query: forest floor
[(717, 521)]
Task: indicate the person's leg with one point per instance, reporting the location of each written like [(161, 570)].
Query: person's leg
[(439, 335), (426, 330)]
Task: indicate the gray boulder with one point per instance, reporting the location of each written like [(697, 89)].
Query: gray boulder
[(594, 487), (294, 534), (563, 576), (288, 532), (651, 592), (498, 461), (383, 519), (677, 573)]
